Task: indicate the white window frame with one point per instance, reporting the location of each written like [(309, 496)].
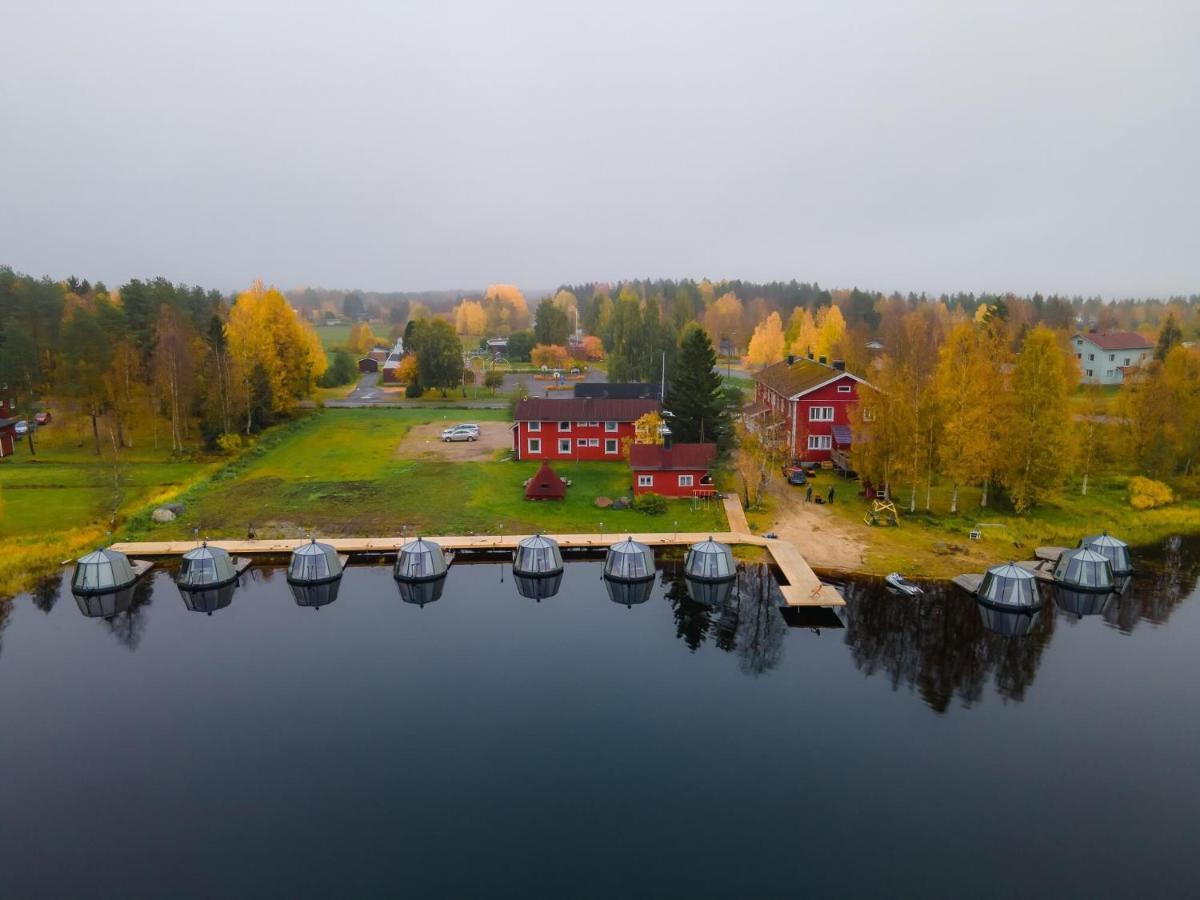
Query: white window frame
[(845, 388), (613, 444), (645, 481), (592, 424), (564, 427), (820, 442), (820, 414), (593, 442), (581, 442), (534, 445), (685, 480), (610, 426), (534, 426), (567, 442)]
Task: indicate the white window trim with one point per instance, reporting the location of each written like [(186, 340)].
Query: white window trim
[(616, 447), (820, 442), (564, 427), (534, 426), (593, 442), (534, 449), (820, 414), (685, 481), (845, 388), (610, 426), (581, 442), (562, 441), (645, 481)]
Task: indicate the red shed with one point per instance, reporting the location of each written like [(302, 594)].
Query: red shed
[(545, 485), (681, 470), (591, 428), (7, 424)]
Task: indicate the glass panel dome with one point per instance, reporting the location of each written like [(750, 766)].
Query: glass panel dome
[(419, 560), (709, 561), (313, 563), (629, 560), (105, 605), (421, 592), (316, 595), (1010, 586), (1115, 551), (629, 593), (538, 587), (102, 570), (207, 600), (710, 593), (205, 567), (537, 555), (1085, 570), (1009, 622)]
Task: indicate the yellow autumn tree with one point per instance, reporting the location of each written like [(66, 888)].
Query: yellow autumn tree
[(506, 309), (648, 429), (767, 342), (362, 340), (802, 332), (723, 320), (831, 329), (470, 318)]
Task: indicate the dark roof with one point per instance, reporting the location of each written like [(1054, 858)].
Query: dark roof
[(680, 456), (842, 435), (574, 409), (545, 485), (631, 390), (799, 376), (1117, 340)]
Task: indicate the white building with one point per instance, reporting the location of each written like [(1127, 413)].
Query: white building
[(1105, 355)]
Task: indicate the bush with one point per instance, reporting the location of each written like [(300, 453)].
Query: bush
[(229, 443), (651, 504), (1145, 493), (413, 391), (342, 370)]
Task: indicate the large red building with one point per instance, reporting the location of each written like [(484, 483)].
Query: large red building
[(576, 428), (681, 470), (7, 424), (811, 400)]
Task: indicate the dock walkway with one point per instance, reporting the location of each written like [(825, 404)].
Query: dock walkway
[(802, 587)]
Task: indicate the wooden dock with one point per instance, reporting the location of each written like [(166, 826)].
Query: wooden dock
[(1049, 554), (969, 582), (798, 583)]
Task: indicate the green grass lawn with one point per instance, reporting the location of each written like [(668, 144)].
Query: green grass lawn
[(337, 473)]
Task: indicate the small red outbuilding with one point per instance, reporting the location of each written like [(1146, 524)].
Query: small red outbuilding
[(681, 470), (545, 485)]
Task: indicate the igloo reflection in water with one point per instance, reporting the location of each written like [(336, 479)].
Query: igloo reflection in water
[(538, 587), (1012, 622), (709, 593), (629, 593), (421, 592), (207, 600), (105, 605), (316, 595), (1082, 603)]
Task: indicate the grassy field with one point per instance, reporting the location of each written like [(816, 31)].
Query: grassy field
[(338, 472)]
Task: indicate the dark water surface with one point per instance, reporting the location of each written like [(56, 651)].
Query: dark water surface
[(487, 744)]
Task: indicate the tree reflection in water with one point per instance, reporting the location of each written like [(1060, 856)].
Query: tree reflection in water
[(748, 623), (1165, 577), (128, 624), (938, 645)]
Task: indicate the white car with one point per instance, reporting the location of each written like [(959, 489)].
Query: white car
[(21, 427), (459, 434), (473, 429)]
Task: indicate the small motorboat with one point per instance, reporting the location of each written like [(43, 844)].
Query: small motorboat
[(903, 585)]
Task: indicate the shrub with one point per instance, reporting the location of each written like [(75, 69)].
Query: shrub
[(229, 443), (651, 504), (1145, 493), (413, 391)]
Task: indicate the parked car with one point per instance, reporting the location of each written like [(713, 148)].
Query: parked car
[(797, 477), (42, 418), (22, 427), (460, 435), (454, 429)]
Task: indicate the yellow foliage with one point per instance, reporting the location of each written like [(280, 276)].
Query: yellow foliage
[(831, 329), (506, 309), (724, 319), (362, 340), (766, 345), (1145, 493), (647, 429), (470, 318), (553, 356)]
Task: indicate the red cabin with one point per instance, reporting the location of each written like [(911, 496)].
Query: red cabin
[(681, 470), (586, 429), (811, 400), (7, 425)]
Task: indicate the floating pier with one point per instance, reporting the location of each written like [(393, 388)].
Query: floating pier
[(1049, 554), (798, 582)]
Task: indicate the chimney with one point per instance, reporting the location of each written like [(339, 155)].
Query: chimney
[(840, 365), (791, 359), (821, 360)]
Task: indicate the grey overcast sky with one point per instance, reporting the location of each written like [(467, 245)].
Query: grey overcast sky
[(895, 144)]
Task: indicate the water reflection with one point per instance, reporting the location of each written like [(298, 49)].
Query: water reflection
[(315, 595), (629, 593), (1008, 622), (208, 600), (103, 606), (538, 588), (1082, 603), (942, 645), (1165, 578), (421, 592)]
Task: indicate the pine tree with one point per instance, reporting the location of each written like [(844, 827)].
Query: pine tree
[(694, 399), (1167, 338)]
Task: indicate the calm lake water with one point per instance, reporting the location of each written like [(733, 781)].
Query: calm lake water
[(488, 744)]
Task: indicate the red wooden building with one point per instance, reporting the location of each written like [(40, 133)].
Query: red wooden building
[(808, 398), (583, 429), (7, 424), (681, 470)]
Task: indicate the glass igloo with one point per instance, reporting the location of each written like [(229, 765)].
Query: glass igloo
[(709, 561), (101, 572), (539, 587), (1084, 570), (1011, 587), (629, 560), (204, 567), (314, 563), (537, 556), (1115, 551), (419, 560), (315, 595)]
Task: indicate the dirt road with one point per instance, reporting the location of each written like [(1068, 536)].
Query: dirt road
[(426, 440), (825, 541)]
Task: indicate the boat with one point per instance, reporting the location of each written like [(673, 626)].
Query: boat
[(902, 584)]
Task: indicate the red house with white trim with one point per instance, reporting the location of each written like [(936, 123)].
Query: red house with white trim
[(7, 426), (578, 428), (809, 398), (680, 470)]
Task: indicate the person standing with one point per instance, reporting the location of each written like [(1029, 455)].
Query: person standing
[(808, 494), (829, 500)]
